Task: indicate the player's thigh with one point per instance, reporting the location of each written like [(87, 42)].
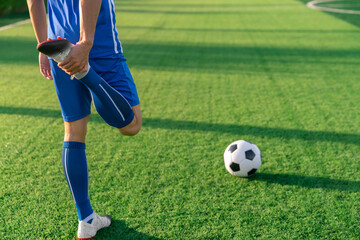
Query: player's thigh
[(74, 97), (117, 74)]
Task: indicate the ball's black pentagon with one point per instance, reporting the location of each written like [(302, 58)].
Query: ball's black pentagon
[(252, 172), (235, 167), (248, 142), (249, 154), (233, 148)]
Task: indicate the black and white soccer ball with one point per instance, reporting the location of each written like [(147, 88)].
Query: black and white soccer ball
[(242, 158)]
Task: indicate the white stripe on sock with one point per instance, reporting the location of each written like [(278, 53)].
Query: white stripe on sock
[(67, 175), (113, 102)]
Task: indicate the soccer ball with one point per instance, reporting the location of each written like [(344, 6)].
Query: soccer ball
[(242, 158)]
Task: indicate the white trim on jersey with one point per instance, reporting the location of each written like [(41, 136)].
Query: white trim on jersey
[(114, 30)]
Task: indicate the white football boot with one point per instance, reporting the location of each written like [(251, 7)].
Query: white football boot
[(89, 230), (58, 49)]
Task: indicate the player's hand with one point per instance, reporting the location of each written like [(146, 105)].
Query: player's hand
[(78, 58), (45, 66)]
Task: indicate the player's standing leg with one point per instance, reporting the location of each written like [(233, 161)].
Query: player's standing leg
[(75, 102), (76, 173)]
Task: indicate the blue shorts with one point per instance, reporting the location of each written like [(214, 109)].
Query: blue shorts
[(75, 98)]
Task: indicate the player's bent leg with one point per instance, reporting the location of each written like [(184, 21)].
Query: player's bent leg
[(111, 105), (134, 127)]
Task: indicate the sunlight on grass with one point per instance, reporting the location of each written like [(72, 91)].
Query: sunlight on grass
[(208, 73)]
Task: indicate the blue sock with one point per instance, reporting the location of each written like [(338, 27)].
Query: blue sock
[(110, 104), (76, 173)]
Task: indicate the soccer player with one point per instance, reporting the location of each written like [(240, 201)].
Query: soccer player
[(95, 58)]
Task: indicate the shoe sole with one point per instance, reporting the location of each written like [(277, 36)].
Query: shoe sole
[(53, 46), (86, 238)]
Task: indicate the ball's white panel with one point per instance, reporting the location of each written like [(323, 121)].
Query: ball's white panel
[(244, 146), (248, 165), (228, 160), (240, 173), (238, 156)]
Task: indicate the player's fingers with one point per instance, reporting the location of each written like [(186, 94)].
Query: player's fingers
[(65, 63), (49, 75), (75, 69), (66, 68), (69, 65), (83, 69), (44, 73), (71, 70)]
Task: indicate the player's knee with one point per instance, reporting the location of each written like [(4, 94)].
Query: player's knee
[(76, 130), (130, 130), (75, 134), (134, 127), (129, 133)]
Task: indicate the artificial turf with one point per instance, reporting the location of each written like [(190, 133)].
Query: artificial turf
[(273, 72)]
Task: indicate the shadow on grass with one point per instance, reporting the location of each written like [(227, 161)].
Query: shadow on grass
[(183, 11), (252, 130), (13, 18), (18, 50), (234, 30), (234, 129), (188, 5), (120, 231), (234, 58), (307, 181), (201, 9), (197, 57), (353, 19), (236, 9)]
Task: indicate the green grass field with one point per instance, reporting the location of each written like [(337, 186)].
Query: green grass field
[(208, 72)]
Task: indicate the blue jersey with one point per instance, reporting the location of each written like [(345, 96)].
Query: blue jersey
[(64, 22)]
